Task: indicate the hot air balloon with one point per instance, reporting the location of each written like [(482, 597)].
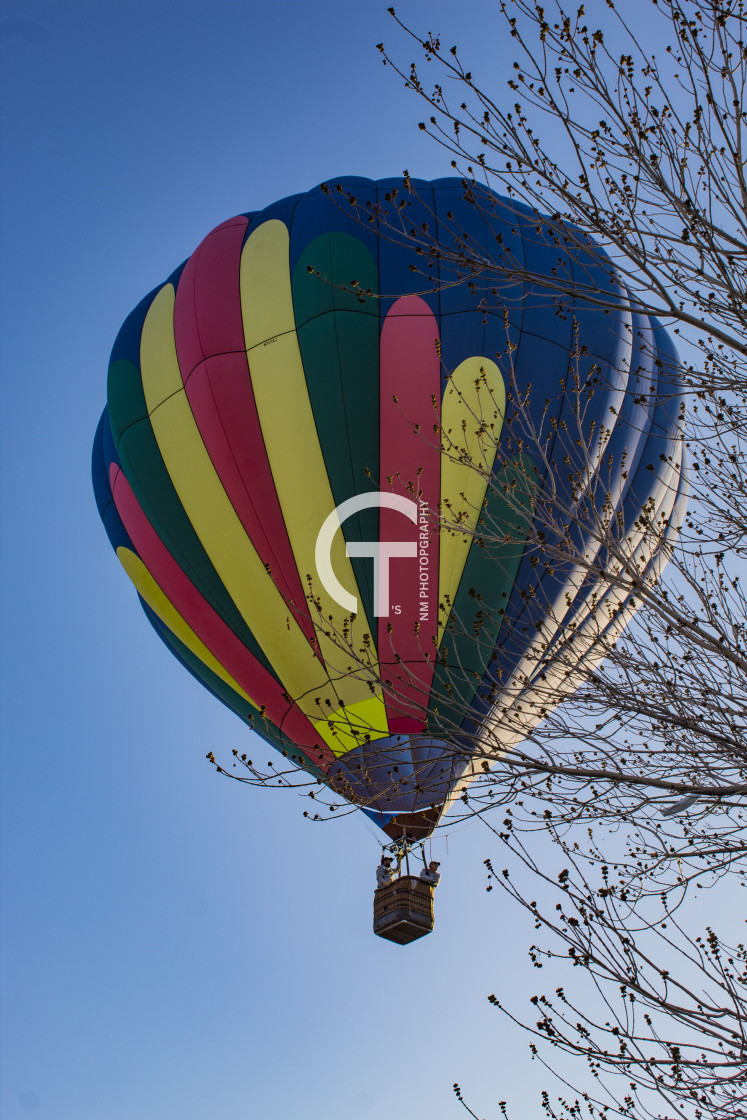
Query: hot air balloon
[(311, 466)]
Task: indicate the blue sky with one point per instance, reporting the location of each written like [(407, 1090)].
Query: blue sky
[(174, 944)]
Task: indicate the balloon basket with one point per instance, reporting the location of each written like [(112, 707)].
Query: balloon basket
[(403, 910)]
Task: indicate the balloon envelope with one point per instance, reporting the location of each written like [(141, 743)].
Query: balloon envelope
[(307, 468)]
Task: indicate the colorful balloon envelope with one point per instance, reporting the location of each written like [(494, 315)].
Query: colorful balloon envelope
[(325, 460)]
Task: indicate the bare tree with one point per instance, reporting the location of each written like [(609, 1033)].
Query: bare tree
[(658, 177), (669, 1014), (652, 169)]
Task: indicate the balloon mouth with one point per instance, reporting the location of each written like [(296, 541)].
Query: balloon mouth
[(401, 781), (413, 826)]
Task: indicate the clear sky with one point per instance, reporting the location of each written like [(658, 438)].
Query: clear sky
[(174, 944)]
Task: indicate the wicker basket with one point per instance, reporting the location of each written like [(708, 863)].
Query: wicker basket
[(403, 911)]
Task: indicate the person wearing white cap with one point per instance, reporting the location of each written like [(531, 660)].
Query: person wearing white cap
[(385, 873)]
